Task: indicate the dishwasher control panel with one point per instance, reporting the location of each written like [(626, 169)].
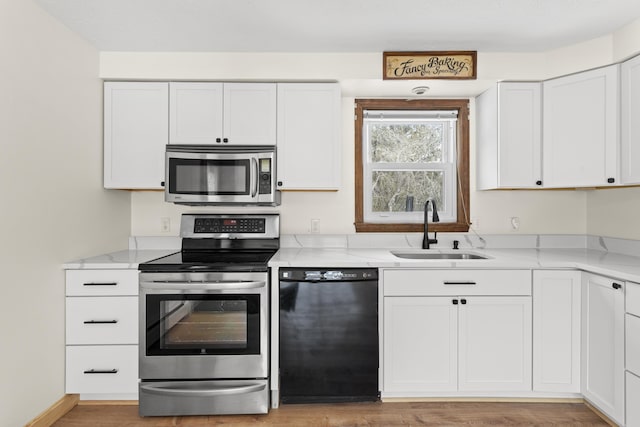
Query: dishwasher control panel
[(328, 274)]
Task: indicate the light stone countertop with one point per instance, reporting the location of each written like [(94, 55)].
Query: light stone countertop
[(605, 256), (125, 259), (618, 266)]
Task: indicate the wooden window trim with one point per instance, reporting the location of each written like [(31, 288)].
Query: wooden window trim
[(462, 151)]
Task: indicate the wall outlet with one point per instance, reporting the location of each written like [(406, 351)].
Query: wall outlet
[(165, 224), (515, 223), (315, 225)]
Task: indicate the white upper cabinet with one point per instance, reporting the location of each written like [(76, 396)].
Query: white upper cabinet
[(136, 132), (580, 131), (509, 136), (195, 113), (629, 124), (309, 149), (222, 113)]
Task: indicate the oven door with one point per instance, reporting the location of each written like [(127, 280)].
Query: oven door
[(203, 325), (205, 175)]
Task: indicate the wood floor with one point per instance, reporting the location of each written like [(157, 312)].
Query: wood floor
[(355, 414)]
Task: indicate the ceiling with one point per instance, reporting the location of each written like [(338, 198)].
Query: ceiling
[(340, 25)]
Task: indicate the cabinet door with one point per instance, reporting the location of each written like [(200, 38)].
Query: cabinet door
[(519, 135), (580, 136), (250, 113), (603, 345), (629, 124), (509, 136), (135, 134), (309, 134), (495, 344), (420, 345), (195, 113), (556, 331)]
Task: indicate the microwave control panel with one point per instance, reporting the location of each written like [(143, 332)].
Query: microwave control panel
[(264, 178)]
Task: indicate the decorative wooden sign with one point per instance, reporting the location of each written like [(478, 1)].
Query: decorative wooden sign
[(429, 65)]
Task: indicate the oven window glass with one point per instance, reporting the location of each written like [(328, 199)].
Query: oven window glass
[(202, 324), (209, 177)]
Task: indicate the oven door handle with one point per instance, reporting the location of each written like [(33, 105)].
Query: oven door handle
[(204, 286), (168, 389)]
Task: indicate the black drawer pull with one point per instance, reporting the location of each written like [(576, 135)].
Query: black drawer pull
[(616, 286), (463, 282), (99, 322), (455, 302), (463, 301), (101, 284), (101, 371)]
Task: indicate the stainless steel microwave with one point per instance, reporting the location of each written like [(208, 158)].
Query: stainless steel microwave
[(215, 175)]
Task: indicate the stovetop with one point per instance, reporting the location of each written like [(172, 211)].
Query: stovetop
[(211, 261), (222, 242)]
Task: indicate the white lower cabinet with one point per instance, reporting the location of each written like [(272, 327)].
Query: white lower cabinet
[(99, 369), (632, 349), (603, 344), (556, 331), (456, 344), (102, 334), (494, 353), (420, 344), (633, 397)]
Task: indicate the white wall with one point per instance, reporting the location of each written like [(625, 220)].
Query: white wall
[(53, 208), (360, 77)]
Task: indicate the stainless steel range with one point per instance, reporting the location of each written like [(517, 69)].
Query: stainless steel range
[(204, 319)]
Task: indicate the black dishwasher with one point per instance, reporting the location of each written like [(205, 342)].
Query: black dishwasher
[(328, 335)]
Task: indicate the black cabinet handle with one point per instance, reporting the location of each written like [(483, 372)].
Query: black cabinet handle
[(162, 184), (463, 301), (616, 286), (457, 282), (455, 302), (611, 180), (101, 371), (279, 183), (218, 140), (538, 182), (225, 140), (99, 322), (101, 284)]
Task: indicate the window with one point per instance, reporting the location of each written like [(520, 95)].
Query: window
[(407, 152)]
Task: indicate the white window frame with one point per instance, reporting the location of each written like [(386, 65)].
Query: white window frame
[(448, 118)]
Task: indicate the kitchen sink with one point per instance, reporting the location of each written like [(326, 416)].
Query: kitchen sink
[(437, 255)]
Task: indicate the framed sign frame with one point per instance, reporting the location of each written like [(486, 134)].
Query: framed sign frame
[(455, 65)]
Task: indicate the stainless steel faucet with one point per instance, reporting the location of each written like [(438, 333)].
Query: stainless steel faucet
[(426, 241)]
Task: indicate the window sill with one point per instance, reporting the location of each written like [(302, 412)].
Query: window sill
[(365, 227)]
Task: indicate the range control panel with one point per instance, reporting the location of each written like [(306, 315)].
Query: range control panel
[(229, 225)]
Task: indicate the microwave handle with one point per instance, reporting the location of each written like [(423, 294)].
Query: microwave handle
[(256, 176)]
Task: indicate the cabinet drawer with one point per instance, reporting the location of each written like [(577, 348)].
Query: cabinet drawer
[(102, 369), (408, 282), (102, 320), (102, 282), (632, 340), (633, 397), (633, 298)]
